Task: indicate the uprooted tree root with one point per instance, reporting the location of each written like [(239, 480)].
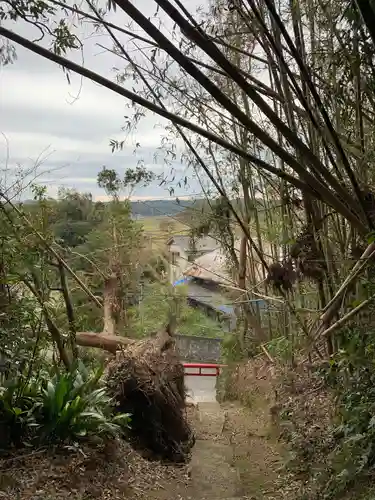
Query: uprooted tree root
[(147, 381)]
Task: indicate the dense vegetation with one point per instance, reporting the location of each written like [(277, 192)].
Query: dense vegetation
[(155, 208), (152, 208), (272, 102), (70, 265)]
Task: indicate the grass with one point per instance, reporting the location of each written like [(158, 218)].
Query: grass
[(364, 490), (157, 230), (154, 225), (152, 312)]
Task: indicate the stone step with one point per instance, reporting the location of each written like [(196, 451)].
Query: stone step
[(211, 418), (211, 461)]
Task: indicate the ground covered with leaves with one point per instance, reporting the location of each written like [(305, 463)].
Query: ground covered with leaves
[(241, 445), (111, 471), (322, 416), (286, 440)]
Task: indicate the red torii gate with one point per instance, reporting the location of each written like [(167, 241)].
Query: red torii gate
[(213, 367)]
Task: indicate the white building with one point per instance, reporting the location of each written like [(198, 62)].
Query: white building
[(183, 251)]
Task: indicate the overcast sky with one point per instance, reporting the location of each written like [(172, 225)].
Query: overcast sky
[(41, 116)]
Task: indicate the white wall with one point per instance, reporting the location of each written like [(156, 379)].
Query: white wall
[(182, 263)]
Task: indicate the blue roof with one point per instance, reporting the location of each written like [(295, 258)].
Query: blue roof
[(226, 308), (260, 302), (213, 299), (182, 281)]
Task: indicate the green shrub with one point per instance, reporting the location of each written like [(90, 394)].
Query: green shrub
[(334, 458), (17, 402), (150, 315), (66, 406), (352, 377), (231, 349), (281, 348)]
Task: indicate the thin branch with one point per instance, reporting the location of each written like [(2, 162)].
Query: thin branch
[(339, 323), (49, 247), (266, 139), (69, 310), (54, 331)]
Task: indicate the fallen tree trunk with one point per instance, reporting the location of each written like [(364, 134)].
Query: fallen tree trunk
[(113, 343), (110, 343), (147, 380)]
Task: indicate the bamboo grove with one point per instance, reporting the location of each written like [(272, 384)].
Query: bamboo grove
[(271, 101)]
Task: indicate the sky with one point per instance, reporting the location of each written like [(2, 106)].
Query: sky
[(64, 130)]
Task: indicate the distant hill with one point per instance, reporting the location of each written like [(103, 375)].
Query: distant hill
[(188, 209), (182, 208), (151, 208), (159, 207)]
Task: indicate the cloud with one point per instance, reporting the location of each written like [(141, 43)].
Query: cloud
[(41, 112)]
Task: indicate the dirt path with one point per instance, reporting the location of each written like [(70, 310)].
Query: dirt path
[(234, 458)]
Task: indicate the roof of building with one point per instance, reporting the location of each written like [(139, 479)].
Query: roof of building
[(211, 298), (206, 243), (211, 266)]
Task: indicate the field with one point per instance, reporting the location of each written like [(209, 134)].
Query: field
[(159, 223), (160, 228)]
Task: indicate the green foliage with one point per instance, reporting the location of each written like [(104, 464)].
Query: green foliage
[(334, 458), (352, 376), (231, 348), (138, 176), (17, 397), (43, 15), (38, 404), (75, 216), (62, 407), (152, 312), (73, 405), (21, 333), (97, 239), (281, 348), (157, 265), (109, 180), (113, 245), (72, 234)]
